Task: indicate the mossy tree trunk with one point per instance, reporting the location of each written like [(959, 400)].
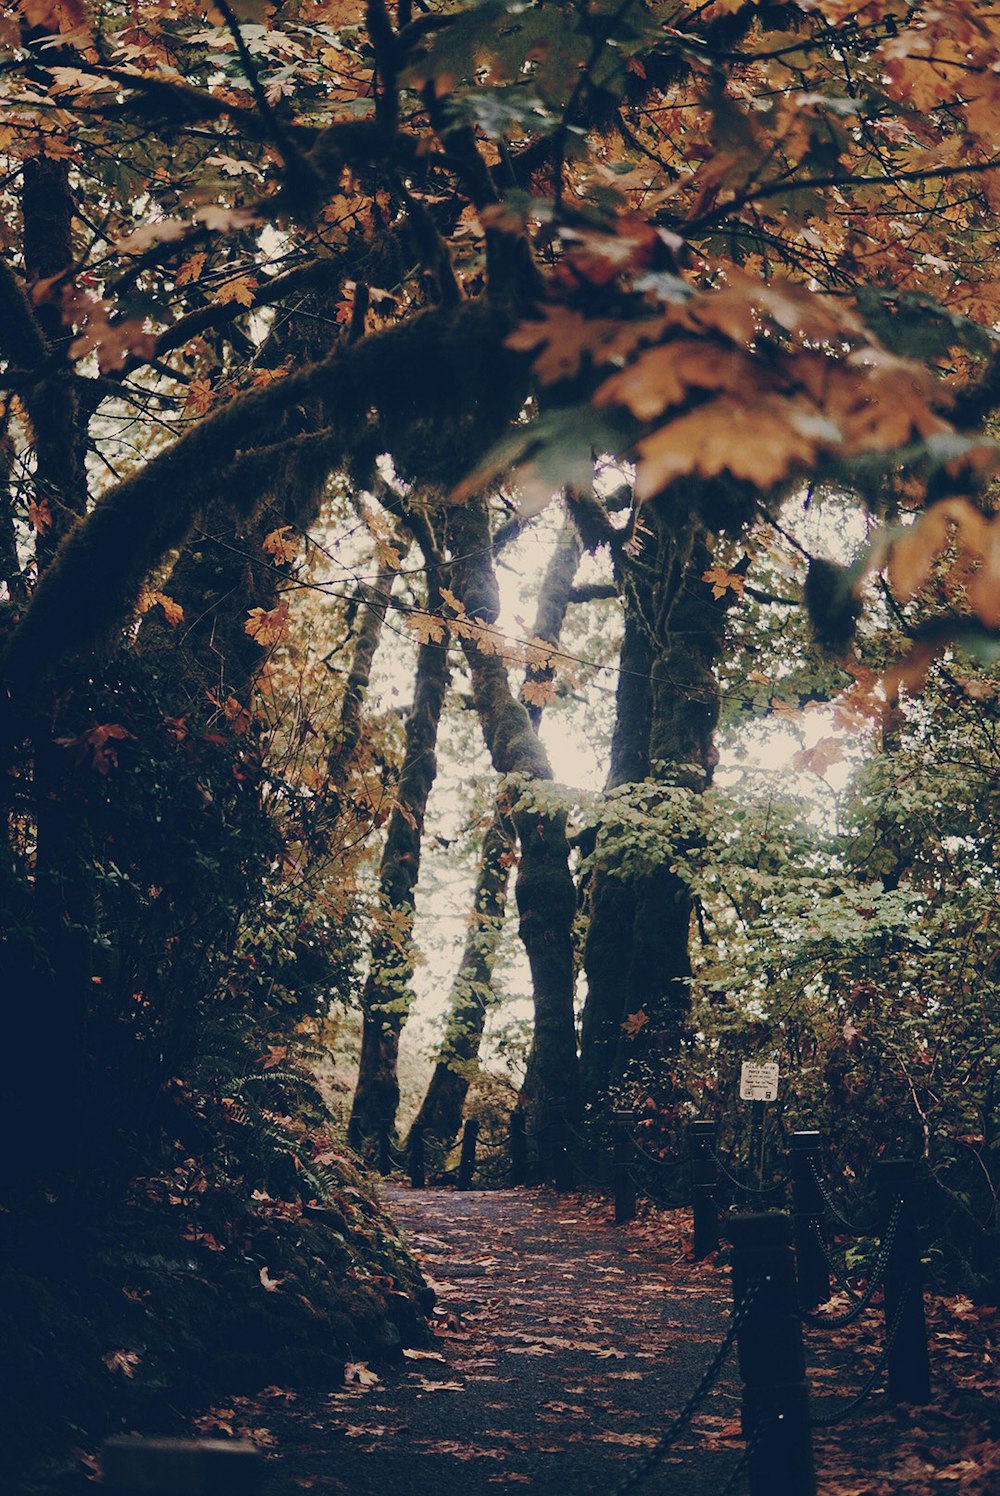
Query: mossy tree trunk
[(471, 993), (387, 992), (611, 898), (545, 891), (637, 957), (50, 986)]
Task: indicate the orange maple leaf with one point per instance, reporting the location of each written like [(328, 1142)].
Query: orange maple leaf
[(281, 544), (267, 625), (724, 581)]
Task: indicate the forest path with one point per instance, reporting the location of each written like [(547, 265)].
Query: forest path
[(563, 1346)]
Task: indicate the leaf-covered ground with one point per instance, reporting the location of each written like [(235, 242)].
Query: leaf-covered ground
[(562, 1347)]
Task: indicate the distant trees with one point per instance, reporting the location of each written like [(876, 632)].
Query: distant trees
[(270, 267)]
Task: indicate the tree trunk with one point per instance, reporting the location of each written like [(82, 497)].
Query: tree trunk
[(471, 994), (608, 946), (689, 626), (546, 895), (386, 998)]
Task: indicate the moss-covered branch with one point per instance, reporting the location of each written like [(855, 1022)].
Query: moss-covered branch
[(445, 370)]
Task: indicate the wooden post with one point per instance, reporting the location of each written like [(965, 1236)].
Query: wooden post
[(909, 1364), (704, 1172), (807, 1211), (182, 1467), (775, 1408), (624, 1168), (467, 1161), (415, 1158), (518, 1149), (384, 1164)]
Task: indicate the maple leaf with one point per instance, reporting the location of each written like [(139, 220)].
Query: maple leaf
[(191, 269), (356, 1372), (976, 539), (242, 289), (454, 603), (539, 692), (819, 757), (173, 612), (268, 625), (633, 1023), (281, 544), (662, 376), (723, 581), (164, 231), (199, 398), (763, 440), (100, 744), (224, 220), (428, 627)]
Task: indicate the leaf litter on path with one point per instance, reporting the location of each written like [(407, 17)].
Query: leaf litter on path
[(533, 1352)]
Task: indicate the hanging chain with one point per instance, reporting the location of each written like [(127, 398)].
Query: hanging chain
[(749, 1189), (825, 1420), (753, 1444), (648, 1463), (837, 1321), (824, 1193)]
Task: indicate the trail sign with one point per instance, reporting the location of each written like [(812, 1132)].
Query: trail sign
[(758, 1082)]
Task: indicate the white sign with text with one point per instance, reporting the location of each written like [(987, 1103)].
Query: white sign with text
[(758, 1082)]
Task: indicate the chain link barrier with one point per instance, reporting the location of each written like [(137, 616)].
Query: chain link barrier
[(644, 1189), (838, 1277), (831, 1208), (753, 1444), (827, 1420), (649, 1462), (838, 1321), (748, 1189)]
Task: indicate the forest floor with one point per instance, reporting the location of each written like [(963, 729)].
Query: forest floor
[(563, 1346)]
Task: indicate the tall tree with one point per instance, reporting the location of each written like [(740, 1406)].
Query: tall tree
[(471, 994), (387, 996)]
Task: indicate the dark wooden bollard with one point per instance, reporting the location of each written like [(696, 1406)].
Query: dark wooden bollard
[(704, 1172), (624, 1167), (909, 1364), (775, 1409), (182, 1467), (518, 1149), (467, 1160), (415, 1156), (807, 1211), (384, 1162)]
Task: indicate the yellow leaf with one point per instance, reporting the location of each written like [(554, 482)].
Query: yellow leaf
[(242, 289), (267, 626), (191, 269), (428, 628), (661, 377), (538, 692), (281, 544), (454, 603), (763, 440), (724, 581)]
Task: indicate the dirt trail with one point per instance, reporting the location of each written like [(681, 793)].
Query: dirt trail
[(562, 1348)]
